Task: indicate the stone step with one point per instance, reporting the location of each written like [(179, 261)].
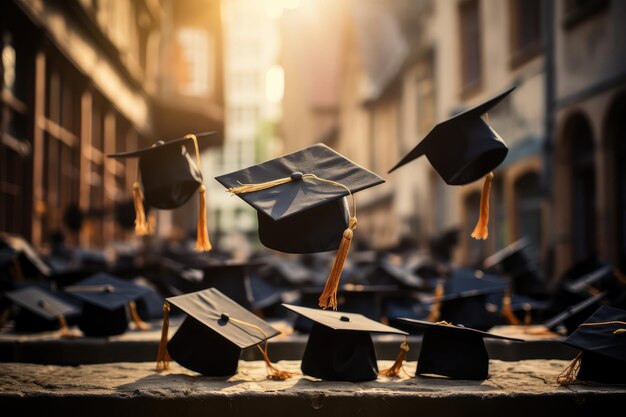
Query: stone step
[(517, 388)]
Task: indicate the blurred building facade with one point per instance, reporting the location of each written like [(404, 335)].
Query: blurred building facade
[(391, 70), (85, 78)]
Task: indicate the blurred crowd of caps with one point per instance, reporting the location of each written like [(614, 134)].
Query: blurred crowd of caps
[(383, 286)]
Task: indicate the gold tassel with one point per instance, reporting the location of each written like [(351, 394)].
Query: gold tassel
[(202, 240), (141, 325), (64, 329), (273, 372), (568, 376), (249, 188), (506, 308), (481, 230), (141, 225), (329, 295), (163, 356), (397, 365), (435, 312)]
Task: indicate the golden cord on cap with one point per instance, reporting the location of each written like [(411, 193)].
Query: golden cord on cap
[(134, 315), (506, 308), (203, 244), (395, 369), (435, 311), (163, 356), (481, 231), (141, 224)]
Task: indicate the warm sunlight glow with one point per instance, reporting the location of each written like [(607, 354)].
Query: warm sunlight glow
[(275, 84)]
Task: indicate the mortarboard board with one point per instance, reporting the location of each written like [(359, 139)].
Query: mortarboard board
[(386, 272), (301, 206), (453, 351), (210, 339), (339, 347), (463, 149), (41, 310), (170, 177), (602, 341), (105, 298)]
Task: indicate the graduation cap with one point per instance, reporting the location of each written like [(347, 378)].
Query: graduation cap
[(41, 310), (105, 298), (301, 205), (210, 339), (340, 348), (464, 298), (453, 351), (602, 341), (463, 149), (571, 317), (29, 263), (170, 177)]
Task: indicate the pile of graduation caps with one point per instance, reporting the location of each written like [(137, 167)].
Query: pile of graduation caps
[(306, 205)]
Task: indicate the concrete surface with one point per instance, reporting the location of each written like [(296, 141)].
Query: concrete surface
[(135, 389)]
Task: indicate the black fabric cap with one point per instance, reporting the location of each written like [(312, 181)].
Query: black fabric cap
[(339, 347), (463, 148), (305, 215), (104, 303), (574, 315), (39, 309), (31, 263), (210, 339), (453, 351), (169, 174), (604, 350)]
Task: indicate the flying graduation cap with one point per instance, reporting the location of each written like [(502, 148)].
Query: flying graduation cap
[(301, 205), (212, 336), (453, 351), (463, 149), (340, 348), (169, 177), (602, 341)]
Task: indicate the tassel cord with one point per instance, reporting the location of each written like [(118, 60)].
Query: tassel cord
[(481, 231), (163, 356), (134, 315), (203, 244), (395, 369)]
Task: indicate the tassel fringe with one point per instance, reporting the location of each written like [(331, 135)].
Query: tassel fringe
[(329, 295), (141, 224), (202, 240), (163, 356), (64, 330), (134, 315), (273, 372), (395, 369), (506, 308), (481, 231), (568, 376)]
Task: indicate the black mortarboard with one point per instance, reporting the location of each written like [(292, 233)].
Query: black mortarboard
[(169, 176), (104, 300), (232, 279), (40, 310), (602, 340), (514, 261), (465, 300), (453, 351), (339, 347), (571, 317), (386, 272), (216, 329), (300, 203), (463, 149), (30, 263)]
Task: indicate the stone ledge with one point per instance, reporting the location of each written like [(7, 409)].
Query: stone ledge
[(121, 389)]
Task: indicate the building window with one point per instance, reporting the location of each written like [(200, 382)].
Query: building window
[(425, 94), (528, 212), (196, 47), (471, 66), (577, 11), (525, 30)]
